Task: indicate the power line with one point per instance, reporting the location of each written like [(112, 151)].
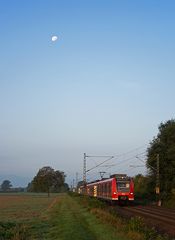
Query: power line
[(100, 164), (110, 158)]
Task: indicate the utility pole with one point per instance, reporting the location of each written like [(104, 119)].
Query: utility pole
[(84, 169), (158, 181), (84, 164), (157, 175), (76, 179)]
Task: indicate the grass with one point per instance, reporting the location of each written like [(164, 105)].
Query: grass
[(20, 214), (133, 229), (23, 207), (76, 222), (61, 217), (65, 217)]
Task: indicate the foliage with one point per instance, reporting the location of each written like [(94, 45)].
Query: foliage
[(6, 185), (136, 224), (80, 183), (63, 188), (47, 180), (140, 184), (133, 228), (141, 189), (29, 187), (170, 203), (163, 146), (12, 231)]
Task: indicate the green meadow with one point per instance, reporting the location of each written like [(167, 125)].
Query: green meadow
[(35, 216), (64, 217)]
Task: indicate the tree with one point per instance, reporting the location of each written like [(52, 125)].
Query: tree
[(6, 185), (163, 147), (47, 180), (30, 187), (141, 186)]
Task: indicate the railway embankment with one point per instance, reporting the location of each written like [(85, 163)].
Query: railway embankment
[(126, 223), (162, 219)]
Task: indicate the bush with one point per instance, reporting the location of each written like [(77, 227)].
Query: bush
[(12, 231)]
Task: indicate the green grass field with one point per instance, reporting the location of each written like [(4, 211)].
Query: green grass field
[(63, 217), (20, 214), (35, 216)]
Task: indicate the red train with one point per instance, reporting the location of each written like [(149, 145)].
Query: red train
[(119, 187)]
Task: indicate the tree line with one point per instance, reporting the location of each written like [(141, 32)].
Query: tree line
[(46, 180), (160, 179), (6, 186)]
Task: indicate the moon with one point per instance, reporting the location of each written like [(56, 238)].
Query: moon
[(54, 38)]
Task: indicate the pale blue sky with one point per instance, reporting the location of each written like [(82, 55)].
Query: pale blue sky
[(102, 88)]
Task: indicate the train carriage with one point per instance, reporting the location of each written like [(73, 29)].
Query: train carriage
[(119, 187)]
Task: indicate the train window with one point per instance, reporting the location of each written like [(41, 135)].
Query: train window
[(123, 186), (109, 189), (92, 190), (106, 188)]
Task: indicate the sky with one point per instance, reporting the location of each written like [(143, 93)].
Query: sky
[(102, 88)]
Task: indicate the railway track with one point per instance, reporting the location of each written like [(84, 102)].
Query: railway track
[(161, 218)]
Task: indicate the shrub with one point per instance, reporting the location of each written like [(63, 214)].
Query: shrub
[(12, 231)]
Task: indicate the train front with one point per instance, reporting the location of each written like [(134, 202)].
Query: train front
[(124, 187)]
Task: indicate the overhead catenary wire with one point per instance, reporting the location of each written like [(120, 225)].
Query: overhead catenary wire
[(100, 164), (116, 164), (124, 160), (115, 157)]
